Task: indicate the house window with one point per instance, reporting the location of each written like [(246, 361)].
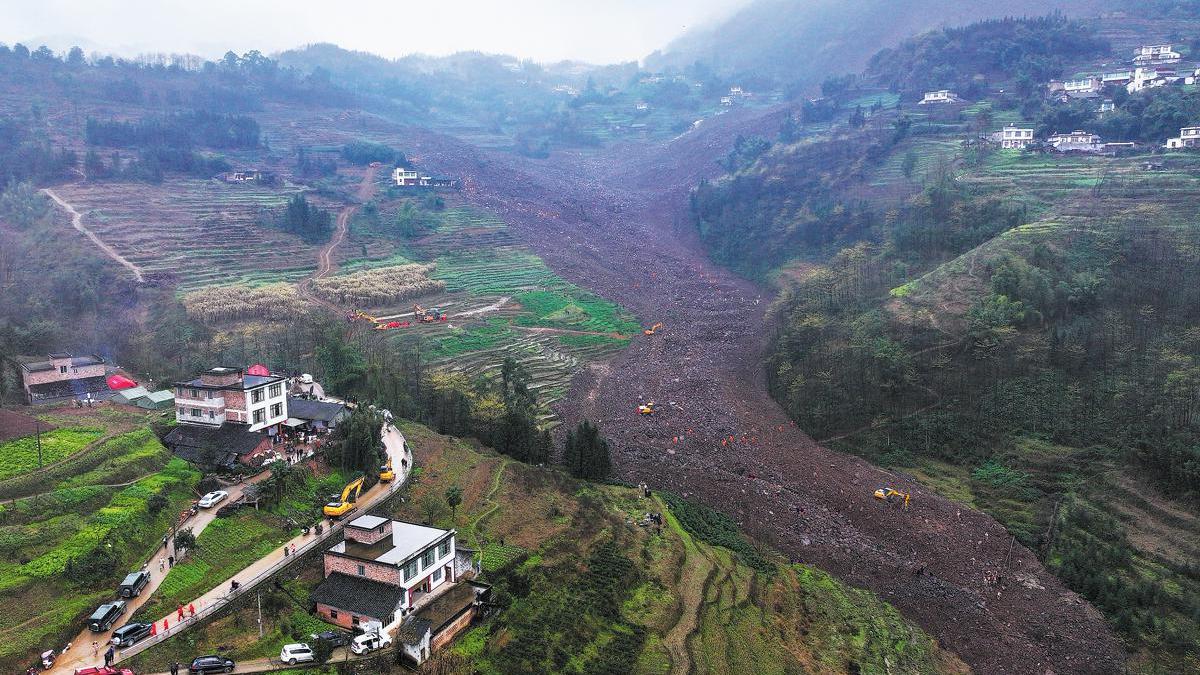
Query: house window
[(353, 620), (427, 559), (195, 412), (362, 571), (333, 613), (276, 390), (410, 570), (437, 575), (62, 369), (277, 410), (444, 549), (256, 396), (259, 416), (195, 393), (211, 415), (182, 411)]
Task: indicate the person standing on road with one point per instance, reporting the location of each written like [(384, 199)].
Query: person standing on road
[(108, 657), (174, 668), (95, 649), (192, 609)]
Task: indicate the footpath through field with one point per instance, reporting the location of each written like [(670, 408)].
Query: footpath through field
[(80, 656), (77, 223), (325, 263)]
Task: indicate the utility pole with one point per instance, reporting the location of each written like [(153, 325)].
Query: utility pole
[(37, 426), (260, 626)]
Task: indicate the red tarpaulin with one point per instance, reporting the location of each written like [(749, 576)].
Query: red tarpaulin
[(258, 369), (119, 382)]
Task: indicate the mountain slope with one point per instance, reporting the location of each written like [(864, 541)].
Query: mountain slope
[(804, 41)]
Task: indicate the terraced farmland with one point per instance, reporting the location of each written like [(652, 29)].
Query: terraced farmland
[(199, 231)]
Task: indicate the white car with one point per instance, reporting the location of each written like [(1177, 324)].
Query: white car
[(296, 653), (369, 642), (212, 499)]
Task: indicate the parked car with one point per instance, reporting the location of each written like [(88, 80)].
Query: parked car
[(212, 499), (296, 653), (133, 584), (333, 637), (130, 634), (106, 615), (211, 664), (369, 642)]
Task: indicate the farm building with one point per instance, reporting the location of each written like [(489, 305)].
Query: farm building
[(315, 415), (1189, 137), (1151, 55), (1014, 137), (1117, 79), (385, 570), (437, 624), (221, 395), (1086, 85), (128, 396), (940, 96), (1076, 141), (60, 377), (217, 448), (157, 400)]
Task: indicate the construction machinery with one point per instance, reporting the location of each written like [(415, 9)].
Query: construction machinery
[(345, 503), (888, 494), (646, 408), (428, 315), (386, 474), (653, 329)]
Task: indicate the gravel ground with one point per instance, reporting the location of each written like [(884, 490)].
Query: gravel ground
[(615, 222)]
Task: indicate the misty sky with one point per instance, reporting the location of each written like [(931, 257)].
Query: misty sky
[(544, 30)]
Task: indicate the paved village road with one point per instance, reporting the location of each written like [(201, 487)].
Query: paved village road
[(80, 654)]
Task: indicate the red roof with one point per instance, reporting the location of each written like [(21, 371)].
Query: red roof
[(258, 369), (119, 382)]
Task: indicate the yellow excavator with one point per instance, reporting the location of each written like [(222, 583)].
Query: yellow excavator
[(647, 409), (345, 504), (386, 474), (888, 494), (653, 329)]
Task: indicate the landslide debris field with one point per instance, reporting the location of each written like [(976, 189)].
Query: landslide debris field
[(615, 222)]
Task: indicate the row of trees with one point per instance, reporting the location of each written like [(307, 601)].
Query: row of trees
[(181, 130), (312, 224)]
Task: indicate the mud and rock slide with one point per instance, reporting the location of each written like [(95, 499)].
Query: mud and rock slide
[(615, 222)]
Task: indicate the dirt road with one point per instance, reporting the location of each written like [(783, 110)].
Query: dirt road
[(615, 222), (77, 223), (325, 259)]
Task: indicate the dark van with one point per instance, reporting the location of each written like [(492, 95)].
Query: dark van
[(133, 584), (130, 634), (106, 615)]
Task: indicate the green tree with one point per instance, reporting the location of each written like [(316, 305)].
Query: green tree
[(585, 453), (185, 539), (355, 447), (454, 495)]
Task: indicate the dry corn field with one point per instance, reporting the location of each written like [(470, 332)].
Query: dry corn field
[(380, 286), (229, 303)]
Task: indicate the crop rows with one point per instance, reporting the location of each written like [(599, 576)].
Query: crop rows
[(203, 231)]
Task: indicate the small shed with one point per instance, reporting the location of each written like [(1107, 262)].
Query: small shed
[(157, 400), (130, 396)]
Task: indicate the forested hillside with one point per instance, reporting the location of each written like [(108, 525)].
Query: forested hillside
[(1006, 326)]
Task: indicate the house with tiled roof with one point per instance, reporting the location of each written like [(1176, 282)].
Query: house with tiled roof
[(406, 577), (62, 376)]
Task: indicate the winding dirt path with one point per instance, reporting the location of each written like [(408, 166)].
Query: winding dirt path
[(615, 221), (325, 260), (77, 223)]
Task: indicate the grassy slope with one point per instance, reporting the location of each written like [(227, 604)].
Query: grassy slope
[(41, 604), (697, 602)]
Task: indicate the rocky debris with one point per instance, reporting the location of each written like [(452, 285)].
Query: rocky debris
[(615, 222)]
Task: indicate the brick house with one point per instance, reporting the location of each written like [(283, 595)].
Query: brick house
[(401, 575), (231, 395), (60, 377), (218, 448)]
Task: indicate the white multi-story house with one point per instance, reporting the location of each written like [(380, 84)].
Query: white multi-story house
[(1148, 78), (1087, 85), (1106, 106), (1015, 137), (1076, 141), (1119, 78), (404, 177), (1150, 55), (940, 96), (1189, 137), (230, 395)]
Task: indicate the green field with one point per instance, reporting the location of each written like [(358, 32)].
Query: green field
[(23, 454), (65, 549)]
